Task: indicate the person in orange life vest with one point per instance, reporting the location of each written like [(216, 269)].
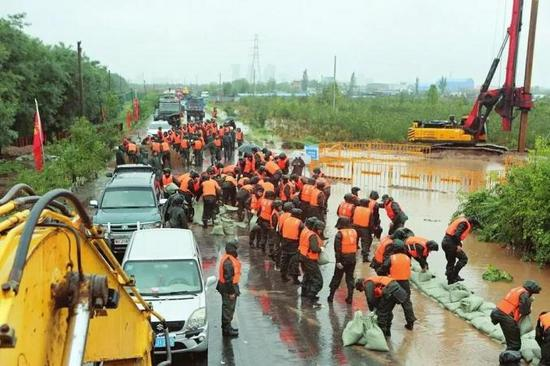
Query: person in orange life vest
[(291, 230), (362, 222), (345, 248), (385, 248), (419, 248), (242, 197), (132, 151), (239, 136), (272, 239), (305, 196), (375, 214), (398, 267), (216, 151), (264, 218), (254, 206), (187, 185), (542, 336), (285, 214), (318, 201), (229, 274), (452, 242), (355, 195), (511, 309), (286, 189), (346, 208), (210, 192), (382, 293), (229, 189), (166, 179), (394, 212), (310, 247), (165, 151), (185, 146), (282, 161), (228, 146), (274, 171)]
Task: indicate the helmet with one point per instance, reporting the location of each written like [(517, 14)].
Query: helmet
[(282, 155), (193, 174), (317, 171), (231, 245), (402, 233), (319, 225), (432, 245), (532, 286), (343, 222), (354, 190), (310, 222), (166, 170), (296, 212), (277, 204), (270, 195), (178, 200), (398, 246), (320, 184), (348, 197), (474, 222), (288, 206), (254, 180), (385, 197), (364, 202)]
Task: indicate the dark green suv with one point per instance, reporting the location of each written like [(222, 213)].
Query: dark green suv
[(130, 201)]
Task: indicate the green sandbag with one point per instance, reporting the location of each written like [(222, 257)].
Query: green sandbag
[(487, 306), (483, 324), (354, 330), (229, 229), (497, 334), (217, 230), (199, 208), (324, 258), (438, 293), (425, 276), (471, 303), (242, 225), (473, 315), (458, 294), (525, 325), (373, 334), (230, 208), (530, 349), (530, 335), (452, 306)]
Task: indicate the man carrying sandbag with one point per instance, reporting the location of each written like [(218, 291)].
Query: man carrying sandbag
[(419, 248), (345, 249), (398, 267), (382, 294), (455, 234), (509, 311), (543, 337)]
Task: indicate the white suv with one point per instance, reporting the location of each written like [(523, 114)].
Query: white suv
[(166, 265)]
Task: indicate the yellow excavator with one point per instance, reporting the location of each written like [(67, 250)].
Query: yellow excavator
[(64, 299)]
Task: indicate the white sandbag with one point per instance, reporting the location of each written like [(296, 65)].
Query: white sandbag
[(487, 306), (230, 208), (354, 330), (530, 349), (484, 324), (373, 334), (458, 294), (473, 315), (471, 303), (199, 208), (530, 335), (326, 256), (452, 306), (217, 230), (525, 325), (497, 334)]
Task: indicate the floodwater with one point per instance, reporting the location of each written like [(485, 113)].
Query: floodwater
[(277, 328)]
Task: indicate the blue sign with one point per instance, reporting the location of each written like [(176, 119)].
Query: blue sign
[(312, 151)]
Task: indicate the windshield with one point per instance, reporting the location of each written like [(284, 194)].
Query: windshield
[(169, 107), (128, 198), (155, 125), (165, 277)]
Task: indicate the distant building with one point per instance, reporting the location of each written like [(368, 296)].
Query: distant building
[(453, 85), (269, 72), (235, 72), (385, 88)]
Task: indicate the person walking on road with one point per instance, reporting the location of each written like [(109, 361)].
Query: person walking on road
[(310, 247), (229, 274), (361, 219), (211, 193), (176, 216), (542, 336), (291, 231), (452, 242), (345, 249), (398, 267), (510, 311), (382, 294), (395, 213)]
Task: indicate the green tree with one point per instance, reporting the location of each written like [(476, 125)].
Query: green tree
[(432, 95), (442, 85), (305, 81), (352, 85)]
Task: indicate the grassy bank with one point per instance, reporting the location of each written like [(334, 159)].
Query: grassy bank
[(517, 211), (80, 156), (379, 118)]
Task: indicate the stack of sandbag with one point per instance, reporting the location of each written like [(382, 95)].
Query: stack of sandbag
[(364, 330), (530, 349)]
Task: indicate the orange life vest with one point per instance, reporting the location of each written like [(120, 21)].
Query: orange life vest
[(248, 166), (303, 245), (451, 230), (132, 148), (361, 216), (239, 135), (197, 145), (273, 214), (268, 186), (372, 204), (291, 228), (510, 304), (218, 142), (255, 203), (400, 268), (271, 167), (167, 180), (544, 321), (314, 199), (177, 139), (411, 242), (379, 283), (228, 169), (345, 209), (231, 180), (210, 188), (282, 219), (236, 269), (349, 241), (305, 194), (184, 182), (248, 187), (282, 163), (155, 147), (389, 209), (184, 143), (282, 195), (266, 208), (379, 253), (164, 147)]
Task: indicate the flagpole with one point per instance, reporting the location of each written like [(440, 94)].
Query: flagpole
[(41, 132)]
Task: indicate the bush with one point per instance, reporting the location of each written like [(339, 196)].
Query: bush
[(517, 212), (494, 274)]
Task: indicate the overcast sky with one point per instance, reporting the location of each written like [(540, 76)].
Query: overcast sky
[(381, 40)]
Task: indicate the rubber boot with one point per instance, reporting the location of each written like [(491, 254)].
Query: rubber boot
[(349, 299), (330, 297)]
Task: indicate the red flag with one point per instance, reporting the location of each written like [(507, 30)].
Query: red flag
[(136, 109), (128, 119), (38, 141)]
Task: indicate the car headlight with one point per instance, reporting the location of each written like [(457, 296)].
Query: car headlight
[(196, 320), (150, 225)]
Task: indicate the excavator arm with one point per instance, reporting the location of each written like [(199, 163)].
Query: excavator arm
[(64, 298)]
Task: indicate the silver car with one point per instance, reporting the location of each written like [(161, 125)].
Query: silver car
[(167, 268), (153, 127)]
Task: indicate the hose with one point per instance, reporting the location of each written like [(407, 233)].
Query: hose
[(20, 201), (28, 230), (13, 192)]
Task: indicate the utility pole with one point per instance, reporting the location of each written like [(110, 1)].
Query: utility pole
[(80, 79), (109, 81), (334, 87), (220, 89), (254, 81), (522, 138), (255, 65)]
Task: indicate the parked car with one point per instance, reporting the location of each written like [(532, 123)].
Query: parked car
[(154, 126), (166, 265), (130, 201)]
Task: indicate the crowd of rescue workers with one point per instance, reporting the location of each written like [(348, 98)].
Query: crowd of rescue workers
[(290, 210)]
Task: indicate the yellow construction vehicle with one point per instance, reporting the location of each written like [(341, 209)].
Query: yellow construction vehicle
[(441, 131), (64, 299)]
